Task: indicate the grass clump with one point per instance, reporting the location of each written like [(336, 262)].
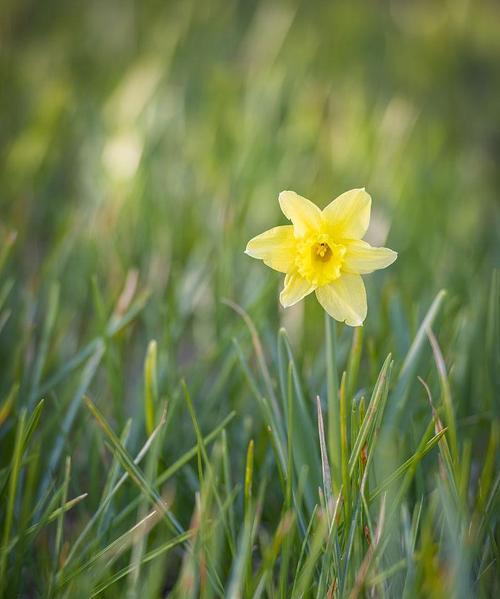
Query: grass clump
[(165, 428)]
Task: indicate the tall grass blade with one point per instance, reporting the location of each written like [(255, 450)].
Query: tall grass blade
[(409, 368), (333, 400), (85, 379), (371, 415), (150, 387), (16, 465)]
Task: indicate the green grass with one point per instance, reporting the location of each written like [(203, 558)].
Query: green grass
[(166, 429)]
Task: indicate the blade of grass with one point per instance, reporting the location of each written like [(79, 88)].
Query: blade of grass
[(409, 463), (305, 450), (47, 517), (248, 477), (176, 466), (307, 571), (267, 411), (325, 467), (227, 479), (112, 478), (445, 394), (331, 559), (107, 496), (92, 347), (7, 247), (444, 448), (60, 524), (365, 566), (110, 553), (304, 546), (151, 555), (261, 360), (411, 361), (150, 386), (354, 361), (237, 578), (41, 356), (85, 379), (289, 445), (133, 471), (208, 464), (370, 417), (9, 511), (487, 473), (271, 553), (139, 544), (333, 400), (344, 449), (33, 422)]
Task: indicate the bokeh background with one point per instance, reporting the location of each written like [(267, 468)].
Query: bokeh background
[(156, 136), (143, 143)]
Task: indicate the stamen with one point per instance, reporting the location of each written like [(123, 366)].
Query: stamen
[(323, 251), (319, 259)]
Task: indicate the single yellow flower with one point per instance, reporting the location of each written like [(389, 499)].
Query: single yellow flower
[(322, 251)]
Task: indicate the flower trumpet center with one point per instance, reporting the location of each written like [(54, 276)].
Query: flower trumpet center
[(319, 259), (322, 251)]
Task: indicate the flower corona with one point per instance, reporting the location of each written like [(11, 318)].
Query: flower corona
[(323, 251)]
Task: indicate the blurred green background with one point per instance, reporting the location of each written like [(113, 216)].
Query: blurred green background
[(156, 136), (143, 143)]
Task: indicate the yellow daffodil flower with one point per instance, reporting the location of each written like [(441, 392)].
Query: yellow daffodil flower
[(322, 251)]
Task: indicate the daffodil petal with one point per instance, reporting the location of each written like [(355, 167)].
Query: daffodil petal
[(345, 299), (294, 290), (349, 214), (276, 247), (363, 259), (304, 215)]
